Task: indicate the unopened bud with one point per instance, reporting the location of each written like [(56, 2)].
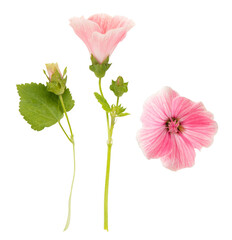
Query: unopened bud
[(119, 87), (57, 83), (52, 68)]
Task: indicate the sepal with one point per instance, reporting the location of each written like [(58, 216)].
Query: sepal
[(99, 69), (57, 84)]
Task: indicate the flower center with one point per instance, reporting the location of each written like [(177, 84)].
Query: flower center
[(173, 126)]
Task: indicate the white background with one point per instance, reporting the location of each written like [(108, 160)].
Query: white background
[(186, 45)]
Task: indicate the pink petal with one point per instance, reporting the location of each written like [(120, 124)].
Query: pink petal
[(101, 33), (157, 108), (107, 23), (199, 126), (104, 44), (182, 154), (154, 142), (120, 22), (102, 20), (84, 29)]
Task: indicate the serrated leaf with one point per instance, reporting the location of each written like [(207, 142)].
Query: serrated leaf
[(103, 102), (41, 108)]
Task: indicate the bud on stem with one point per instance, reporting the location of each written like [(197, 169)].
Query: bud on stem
[(57, 82)]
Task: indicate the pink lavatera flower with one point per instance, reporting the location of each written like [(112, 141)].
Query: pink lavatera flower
[(101, 33), (173, 126)]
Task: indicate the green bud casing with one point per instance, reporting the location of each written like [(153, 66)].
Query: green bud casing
[(57, 82), (119, 87), (99, 69)]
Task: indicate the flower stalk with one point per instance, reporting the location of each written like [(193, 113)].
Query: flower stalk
[(114, 111), (109, 146), (71, 139), (112, 30)]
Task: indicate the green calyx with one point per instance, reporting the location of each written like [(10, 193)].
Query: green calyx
[(57, 83), (99, 69), (119, 87)]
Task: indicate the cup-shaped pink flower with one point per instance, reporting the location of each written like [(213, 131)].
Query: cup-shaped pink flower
[(101, 33), (173, 126)]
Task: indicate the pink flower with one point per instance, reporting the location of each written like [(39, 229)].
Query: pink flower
[(172, 127), (101, 33)]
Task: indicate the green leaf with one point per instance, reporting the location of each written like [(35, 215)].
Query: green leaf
[(103, 102), (41, 108), (123, 114)]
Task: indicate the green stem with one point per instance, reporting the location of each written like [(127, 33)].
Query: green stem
[(107, 115), (62, 103), (100, 88), (71, 139), (70, 196), (109, 144), (117, 101), (65, 132)]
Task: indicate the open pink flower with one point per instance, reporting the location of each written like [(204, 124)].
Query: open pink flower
[(101, 33), (172, 127)]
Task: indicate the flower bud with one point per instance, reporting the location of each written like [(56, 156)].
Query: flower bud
[(119, 81), (119, 87), (57, 82), (52, 68)]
